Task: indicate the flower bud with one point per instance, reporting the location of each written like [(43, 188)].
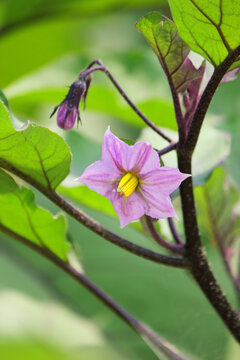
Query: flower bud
[(68, 109), (65, 118)]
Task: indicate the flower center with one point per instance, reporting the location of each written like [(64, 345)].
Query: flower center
[(128, 184)]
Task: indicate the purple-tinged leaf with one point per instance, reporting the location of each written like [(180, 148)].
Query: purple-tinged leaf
[(161, 33), (173, 54), (176, 60)]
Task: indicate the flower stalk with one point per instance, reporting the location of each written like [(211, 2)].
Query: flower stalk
[(175, 248), (101, 67)]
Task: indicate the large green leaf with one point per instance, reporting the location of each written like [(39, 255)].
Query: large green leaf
[(33, 151), (211, 28), (19, 214), (216, 202)]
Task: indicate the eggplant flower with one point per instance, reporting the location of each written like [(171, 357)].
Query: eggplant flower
[(133, 180)]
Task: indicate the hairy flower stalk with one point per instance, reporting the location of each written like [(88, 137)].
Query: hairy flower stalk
[(133, 180)]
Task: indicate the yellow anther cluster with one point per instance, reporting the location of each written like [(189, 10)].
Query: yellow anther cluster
[(128, 184)]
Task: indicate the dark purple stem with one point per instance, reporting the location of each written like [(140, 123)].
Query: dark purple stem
[(124, 95), (167, 149), (200, 268), (174, 232), (176, 248)]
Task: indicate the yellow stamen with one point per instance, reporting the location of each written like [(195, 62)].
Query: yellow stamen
[(128, 184)]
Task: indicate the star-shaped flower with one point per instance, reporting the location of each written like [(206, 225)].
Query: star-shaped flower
[(133, 180)]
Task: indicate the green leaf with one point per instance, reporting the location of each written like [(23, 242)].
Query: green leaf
[(211, 28), (34, 151), (216, 202), (20, 214), (162, 35)]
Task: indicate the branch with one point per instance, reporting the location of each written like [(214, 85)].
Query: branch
[(141, 329), (200, 268), (177, 248), (167, 149), (103, 68), (97, 228)]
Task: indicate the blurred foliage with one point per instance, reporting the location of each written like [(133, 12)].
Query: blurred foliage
[(218, 199), (44, 45)]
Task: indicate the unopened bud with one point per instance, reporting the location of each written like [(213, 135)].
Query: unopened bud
[(69, 108)]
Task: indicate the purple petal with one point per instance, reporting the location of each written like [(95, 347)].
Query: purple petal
[(128, 208), (69, 121), (156, 187), (159, 204), (140, 157), (114, 150), (101, 178), (166, 180)]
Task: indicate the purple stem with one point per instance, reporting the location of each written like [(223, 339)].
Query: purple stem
[(200, 267), (178, 248), (174, 232), (167, 149)]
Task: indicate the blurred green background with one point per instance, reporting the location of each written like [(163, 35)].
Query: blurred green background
[(43, 313)]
